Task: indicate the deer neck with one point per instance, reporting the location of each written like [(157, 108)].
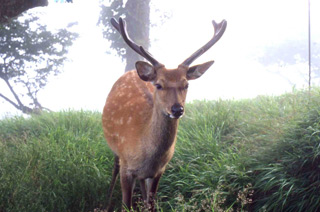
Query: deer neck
[(162, 130)]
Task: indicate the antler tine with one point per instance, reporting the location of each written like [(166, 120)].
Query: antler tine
[(149, 57), (126, 38), (218, 32), (115, 24), (121, 28)]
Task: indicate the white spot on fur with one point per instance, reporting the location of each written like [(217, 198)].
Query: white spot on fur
[(116, 135), (129, 120)]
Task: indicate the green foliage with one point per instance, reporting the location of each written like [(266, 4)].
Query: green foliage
[(248, 155)]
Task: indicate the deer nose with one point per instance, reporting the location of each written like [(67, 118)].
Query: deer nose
[(177, 110)]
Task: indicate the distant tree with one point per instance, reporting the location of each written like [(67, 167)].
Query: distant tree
[(29, 55), (13, 8), (137, 15), (291, 52)]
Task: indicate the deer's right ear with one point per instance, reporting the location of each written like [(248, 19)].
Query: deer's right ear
[(146, 71)]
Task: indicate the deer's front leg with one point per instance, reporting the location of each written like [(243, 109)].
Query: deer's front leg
[(152, 187), (143, 189), (127, 181)]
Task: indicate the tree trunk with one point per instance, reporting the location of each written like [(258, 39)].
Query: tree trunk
[(13, 8), (138, 24)]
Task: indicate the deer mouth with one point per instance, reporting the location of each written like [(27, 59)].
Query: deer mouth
[(174, 116)]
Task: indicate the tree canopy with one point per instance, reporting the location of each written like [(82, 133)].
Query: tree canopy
[(29, 55)]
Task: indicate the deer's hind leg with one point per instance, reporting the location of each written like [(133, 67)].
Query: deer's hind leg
[(115, 174), (127, 180)]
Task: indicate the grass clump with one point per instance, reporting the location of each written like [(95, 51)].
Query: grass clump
[(53, 162), (288, 173), (204, 165)]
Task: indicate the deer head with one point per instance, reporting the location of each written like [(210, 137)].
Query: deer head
[(171, 85)]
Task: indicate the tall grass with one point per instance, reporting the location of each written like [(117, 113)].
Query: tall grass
[(257, 154), (53, 162), (288, 179), (203, 163)]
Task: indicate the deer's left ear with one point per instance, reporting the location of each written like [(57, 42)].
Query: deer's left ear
[(195, 72)]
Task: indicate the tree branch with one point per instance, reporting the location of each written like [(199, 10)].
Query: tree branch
[(10, 101), (13, 92), (23, 108), (19, 106), (13, 8)]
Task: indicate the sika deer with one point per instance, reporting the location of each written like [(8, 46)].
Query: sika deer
[(141, 116)]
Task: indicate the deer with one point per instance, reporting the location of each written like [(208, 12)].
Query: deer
[(141, 117)]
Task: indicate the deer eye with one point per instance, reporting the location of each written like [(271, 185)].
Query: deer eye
[(186, 86), (158, 86)]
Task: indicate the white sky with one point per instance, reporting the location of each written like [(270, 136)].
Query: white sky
[(252, 24)]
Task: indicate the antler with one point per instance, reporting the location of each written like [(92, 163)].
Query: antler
[(218, 32), (121, 28)]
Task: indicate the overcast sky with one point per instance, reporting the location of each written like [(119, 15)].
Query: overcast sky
[(252, 25)]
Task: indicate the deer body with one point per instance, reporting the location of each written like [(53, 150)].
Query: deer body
[(141, 116), (140, 135)]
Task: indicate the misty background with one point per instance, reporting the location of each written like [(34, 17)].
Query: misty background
[(264, 50)]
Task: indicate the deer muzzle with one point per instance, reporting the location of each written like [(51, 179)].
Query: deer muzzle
[(176, 111)]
